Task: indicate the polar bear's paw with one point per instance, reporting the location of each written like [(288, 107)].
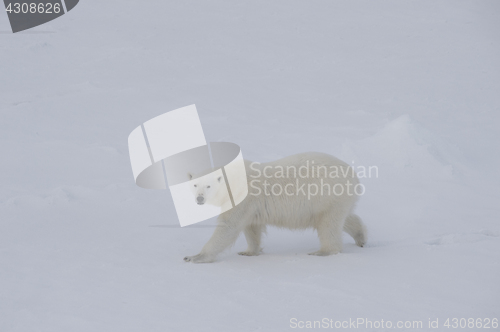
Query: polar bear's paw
[(200, 258), (360, 241), (323, 253), (249, 253)]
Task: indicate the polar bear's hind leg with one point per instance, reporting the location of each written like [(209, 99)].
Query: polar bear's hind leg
[(355, 228), (330, 235)]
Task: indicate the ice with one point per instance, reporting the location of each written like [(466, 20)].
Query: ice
[(409, 87)]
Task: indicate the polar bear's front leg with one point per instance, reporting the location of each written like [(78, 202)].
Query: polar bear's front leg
[(253, 234), (224, 236), (200, 258)]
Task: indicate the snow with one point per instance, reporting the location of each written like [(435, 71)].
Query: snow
[(410, 87)]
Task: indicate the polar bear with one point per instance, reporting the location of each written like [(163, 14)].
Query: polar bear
[(306, 190)]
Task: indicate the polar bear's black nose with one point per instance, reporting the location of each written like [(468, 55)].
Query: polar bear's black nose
[(200, 200)]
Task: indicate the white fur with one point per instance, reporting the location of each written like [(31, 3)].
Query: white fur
[(328, 214)]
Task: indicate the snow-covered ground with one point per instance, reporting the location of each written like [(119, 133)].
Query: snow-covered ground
[(409, 86)]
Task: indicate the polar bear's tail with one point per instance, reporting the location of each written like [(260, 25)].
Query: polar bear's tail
[(355, 228)]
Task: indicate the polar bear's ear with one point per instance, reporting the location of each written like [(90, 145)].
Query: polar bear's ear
[(190, 176), (219, 178)]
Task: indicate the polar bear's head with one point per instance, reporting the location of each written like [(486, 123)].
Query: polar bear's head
[(206, 188)]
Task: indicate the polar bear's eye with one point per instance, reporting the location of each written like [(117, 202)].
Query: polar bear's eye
[(208, 186), (195, 185)]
